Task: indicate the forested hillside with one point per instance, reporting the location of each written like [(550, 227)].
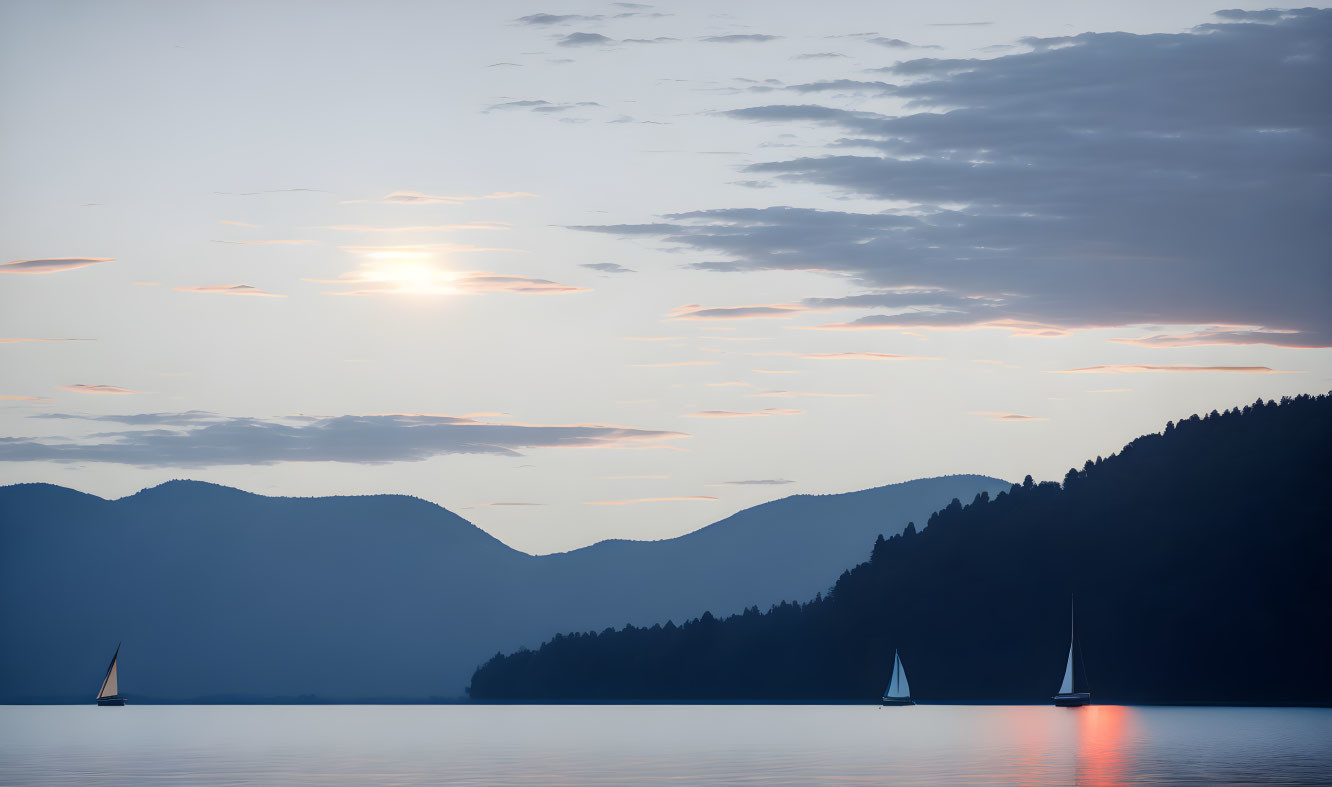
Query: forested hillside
[(1200, 559)]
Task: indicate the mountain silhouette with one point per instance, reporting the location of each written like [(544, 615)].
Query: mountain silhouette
[(1200, 559), (218, 593)]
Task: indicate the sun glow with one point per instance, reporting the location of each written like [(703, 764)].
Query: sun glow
[(406, 273)]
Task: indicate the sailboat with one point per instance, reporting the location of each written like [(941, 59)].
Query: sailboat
[(899, 691), (1069, 695), (109, 694)]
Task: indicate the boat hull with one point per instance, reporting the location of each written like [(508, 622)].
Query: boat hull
[(891, 701), (110, 702), (1072, 700)]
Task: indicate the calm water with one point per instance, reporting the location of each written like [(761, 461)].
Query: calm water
[(659, 744)]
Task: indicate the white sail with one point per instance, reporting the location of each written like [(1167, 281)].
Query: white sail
[(110, 686), (1067, 686), (898, 687)]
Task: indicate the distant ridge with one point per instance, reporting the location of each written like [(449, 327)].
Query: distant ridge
[(1200, 558), (218, 592)]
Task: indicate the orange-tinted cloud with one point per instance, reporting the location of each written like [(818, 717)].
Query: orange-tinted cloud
[(1007, 417), (97, 389), (229, 289), (34, 399), (1224, 335), (694, 311), (1134, 369), (51, 265), (1026, 328), (646, 500)]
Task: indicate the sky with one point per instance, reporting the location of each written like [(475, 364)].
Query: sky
[(618, 270)]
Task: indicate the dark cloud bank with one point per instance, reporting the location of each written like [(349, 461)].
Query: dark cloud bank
[(1103, 179)]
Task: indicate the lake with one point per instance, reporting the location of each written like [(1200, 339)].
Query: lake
[(663, 744)]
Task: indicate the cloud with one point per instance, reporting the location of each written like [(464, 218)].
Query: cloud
[(33, 399), (897, 43), (695, 312), (1097, 181), (740, 38), (208, 440), (503, 505), (607, 267), (806, 394), (757, 482), (851, 356), (819, 56), (229, 289), (421, 198), (266, 242), (97, 389), (555, 19), (1136, 369), (392, 279), (472, 225), (51, 265), (1007, 417), (733, 414), (585, 39), (1233, 337), (269, 191), (22, 341), (541, 105), (646, 500)]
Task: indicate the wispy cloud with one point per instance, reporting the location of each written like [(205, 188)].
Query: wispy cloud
[(805, 394), (740, 38), (266, 242), (1007, 417), (1233, 336), (646, 500), (1135, 369), (229, 289), (733, 414), (86, 388), (694, 311), (51, 265), (757, 482), (21, 341), (473, 225), (607, 267), (32, 399), (422, 198), (851, 356), (200, 439)]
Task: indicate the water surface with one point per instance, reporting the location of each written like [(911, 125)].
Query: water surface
[(663, 744)]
